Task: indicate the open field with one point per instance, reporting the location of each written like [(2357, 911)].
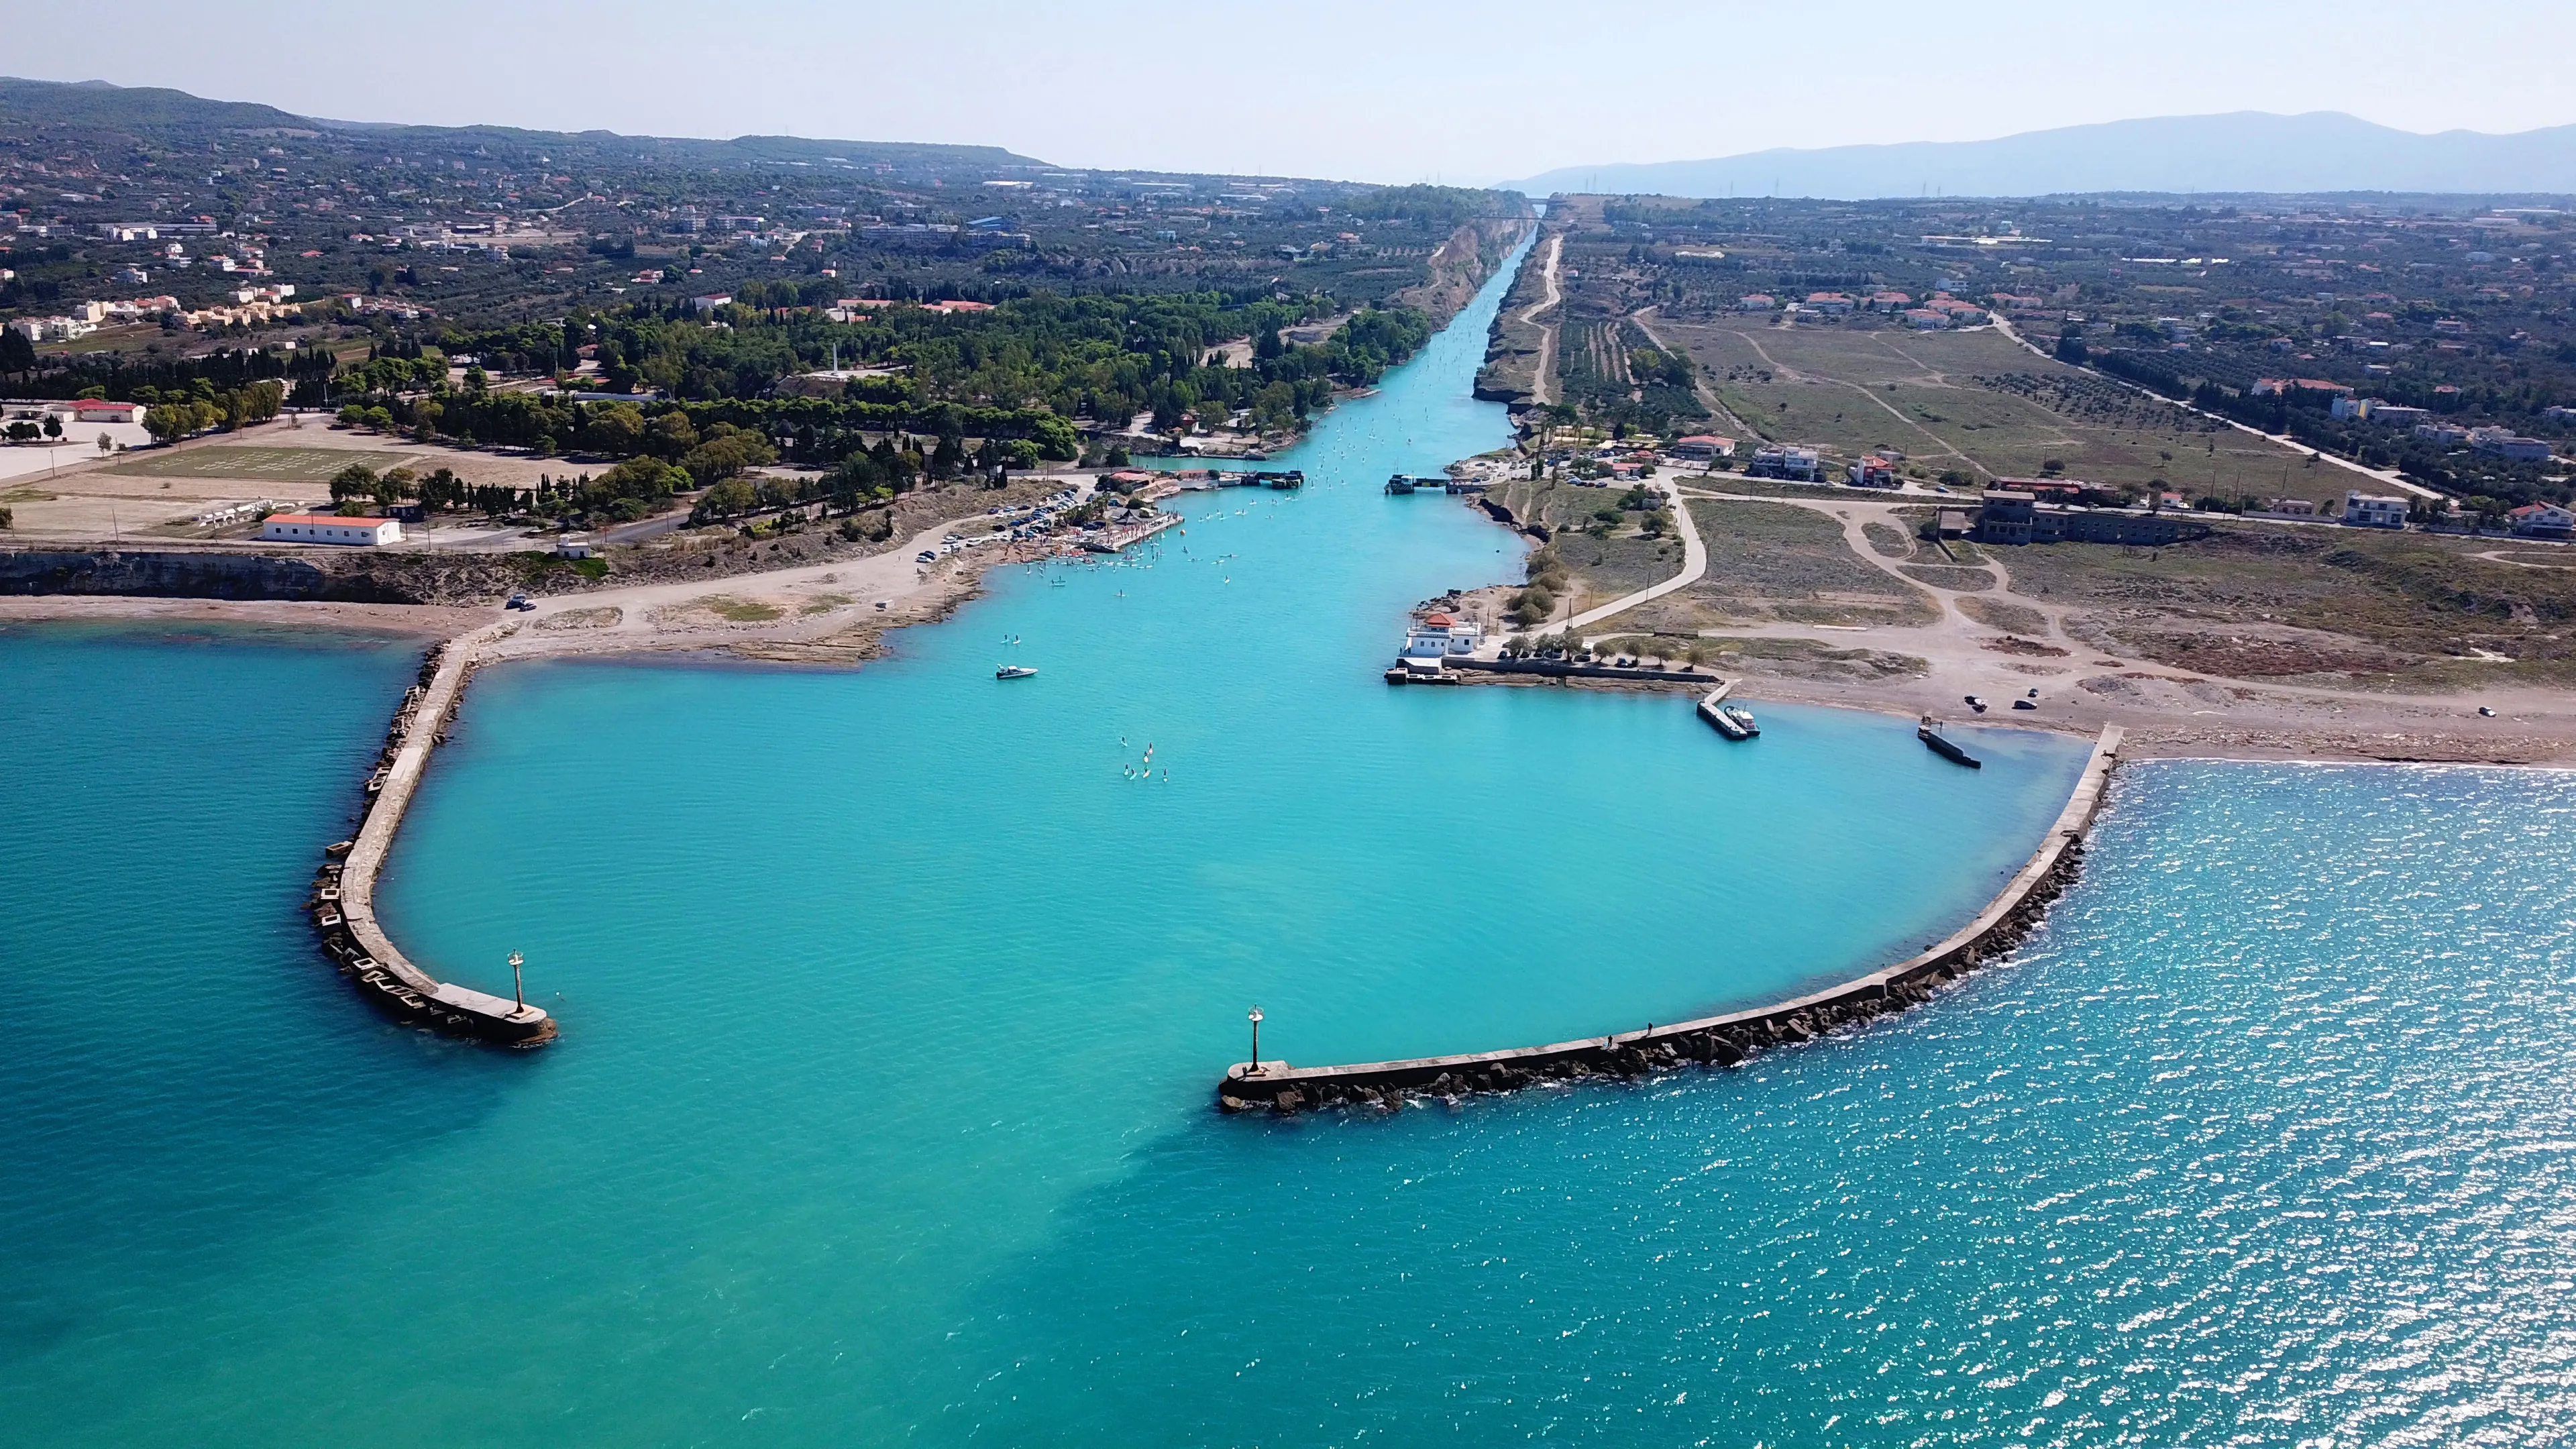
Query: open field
[(1978, 403), (253, 463), (2345, 607), (158, 493), (1775, 563)]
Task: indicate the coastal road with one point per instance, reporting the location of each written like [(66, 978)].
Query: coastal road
[(807, 604), (1694, 566)]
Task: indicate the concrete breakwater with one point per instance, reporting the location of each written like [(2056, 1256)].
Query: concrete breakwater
[(1571, 669), (343, 901), (1720, 1041)]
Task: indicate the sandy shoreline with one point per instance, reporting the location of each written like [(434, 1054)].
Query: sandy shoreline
[(838, 613), (812, 631), (832, 613)]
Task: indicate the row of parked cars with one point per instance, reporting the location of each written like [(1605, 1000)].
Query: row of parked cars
[(1024, 521)]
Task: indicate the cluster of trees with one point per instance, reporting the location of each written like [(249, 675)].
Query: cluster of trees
[(199, 407), (1447, 207), (152, 378)]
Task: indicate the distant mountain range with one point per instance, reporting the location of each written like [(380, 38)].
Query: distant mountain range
[(2322, 151), (152, 111)]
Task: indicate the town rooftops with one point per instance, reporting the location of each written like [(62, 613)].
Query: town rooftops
[(1437, 621)]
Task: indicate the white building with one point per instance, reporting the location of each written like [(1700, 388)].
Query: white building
[(2372, 511), (2513, 449), (1439, 636), (329, 528)]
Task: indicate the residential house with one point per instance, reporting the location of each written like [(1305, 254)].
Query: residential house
[(1801, 464), (2502, 443), (2366, 510), (2543, 520), (1702, 448), (1871, 471)]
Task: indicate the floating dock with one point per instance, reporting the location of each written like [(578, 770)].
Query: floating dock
[(1116, 539), (342, 905), (1929, 732), (1715, 1040), (1712, 709)]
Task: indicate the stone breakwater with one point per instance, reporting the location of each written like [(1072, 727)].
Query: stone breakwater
[(1716, 1041), (342, 905)]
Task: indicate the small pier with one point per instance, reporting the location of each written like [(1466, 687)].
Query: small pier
[(1721, 1041), (1119, 539), (1929, 732), (1571, 669), (342, 905), (1713, 712)]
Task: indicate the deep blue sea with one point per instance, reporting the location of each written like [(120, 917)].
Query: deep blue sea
[(893, 1001)]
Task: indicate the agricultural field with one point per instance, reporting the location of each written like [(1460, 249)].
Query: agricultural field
[(256, 464), (1977, 403)]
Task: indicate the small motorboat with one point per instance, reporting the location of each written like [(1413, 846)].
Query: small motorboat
[(1013, 671)]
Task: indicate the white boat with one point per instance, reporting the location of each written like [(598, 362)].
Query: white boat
[(1726, 719), (1012, 671)]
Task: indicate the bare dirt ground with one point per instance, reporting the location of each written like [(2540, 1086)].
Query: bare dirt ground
[(130, 496), (1802, 627)]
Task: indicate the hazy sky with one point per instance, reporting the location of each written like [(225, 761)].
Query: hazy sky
[(1360, 89)]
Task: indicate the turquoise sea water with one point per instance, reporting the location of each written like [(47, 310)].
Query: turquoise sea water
[(893, 1002)]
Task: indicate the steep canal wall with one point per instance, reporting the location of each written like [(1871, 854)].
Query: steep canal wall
[(343, 900), (1715, 1040), (169, 574)]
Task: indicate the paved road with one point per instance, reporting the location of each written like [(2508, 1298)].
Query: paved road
[(1694, 566)]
